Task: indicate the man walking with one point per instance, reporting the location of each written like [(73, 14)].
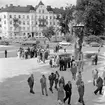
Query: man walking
[(31, 83), (99, 86), (51, 81), (43, 85), (68, 90), (5, 53), (81, 92), (56, 79), (61, 64)]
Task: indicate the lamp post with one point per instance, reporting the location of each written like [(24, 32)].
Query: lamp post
[(78, 31)]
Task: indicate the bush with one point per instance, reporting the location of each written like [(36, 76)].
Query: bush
[(4, 43), (89, 55), (69, 38), (93, 39)]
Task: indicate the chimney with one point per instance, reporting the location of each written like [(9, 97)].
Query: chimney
[(11, 5), (6, 6)]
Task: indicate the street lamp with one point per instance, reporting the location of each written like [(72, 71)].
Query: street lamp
[(78, 31)]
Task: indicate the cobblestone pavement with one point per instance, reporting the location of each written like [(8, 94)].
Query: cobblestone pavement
[(15, 91)]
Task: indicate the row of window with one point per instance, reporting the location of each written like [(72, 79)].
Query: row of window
[(24, 23), (20, 16), (22, 28), (41, 11), (43, 17)]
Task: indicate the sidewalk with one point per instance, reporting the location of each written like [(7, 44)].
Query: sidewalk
[(15, 91)]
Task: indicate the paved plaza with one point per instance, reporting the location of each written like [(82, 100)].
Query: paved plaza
[(15, 90)]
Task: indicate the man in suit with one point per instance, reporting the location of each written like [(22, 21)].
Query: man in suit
[(99, 85), (43, 85), (5, 53), (51, 81), (61, 64), (68, 90), (31, 83), (81, 92)]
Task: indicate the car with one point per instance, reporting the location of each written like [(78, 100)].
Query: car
[(95, 44), (64, 43)]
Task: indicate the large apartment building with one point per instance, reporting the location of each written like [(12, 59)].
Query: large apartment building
[(19, 21)]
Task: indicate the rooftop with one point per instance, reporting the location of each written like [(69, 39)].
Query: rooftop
[(18, 8), (26, 9)]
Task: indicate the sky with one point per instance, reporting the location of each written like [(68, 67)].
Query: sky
[(53, 3)]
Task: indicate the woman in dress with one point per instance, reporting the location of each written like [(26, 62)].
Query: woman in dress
[(61, 94)]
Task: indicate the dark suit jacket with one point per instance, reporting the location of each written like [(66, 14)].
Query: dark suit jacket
[(68, 88)]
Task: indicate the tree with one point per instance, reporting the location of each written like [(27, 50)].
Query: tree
[(48, 32), (16, 24), (65, 18), (92, 14)]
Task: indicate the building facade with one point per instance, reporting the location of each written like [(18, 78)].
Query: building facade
[(18, 21)]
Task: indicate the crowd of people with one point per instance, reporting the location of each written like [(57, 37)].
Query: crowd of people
[(63, 89), (41, 54), (58, 82)]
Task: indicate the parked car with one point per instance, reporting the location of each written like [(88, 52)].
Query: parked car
[(64, 43), (95, 44)]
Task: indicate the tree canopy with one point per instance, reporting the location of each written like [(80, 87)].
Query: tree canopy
[(92, 14), (65, 18), (48, 32)]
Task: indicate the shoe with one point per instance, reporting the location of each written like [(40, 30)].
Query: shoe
[(95, 93), (101, 94), (32, 92), (79, 101)]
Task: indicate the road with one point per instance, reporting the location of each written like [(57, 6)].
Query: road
[(12, 50)]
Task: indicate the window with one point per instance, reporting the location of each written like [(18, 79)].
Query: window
[(0, 25), (46, 17), (50, 17), (4, 16), (24, 34), (4, 22), (19, 16), (27, 16), (39, 34), (28, 23), (14, 16), (39, 17), (42, 11), (10, 16), (19, 22), (23, 16), (10, 22), (28, 28), (23, 28), (32, 17), (54, 17), (46, 23), (36, 23), (39, 11), (32, 22), (23, 22), (54, 23), (50, 23), (10, 28)]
